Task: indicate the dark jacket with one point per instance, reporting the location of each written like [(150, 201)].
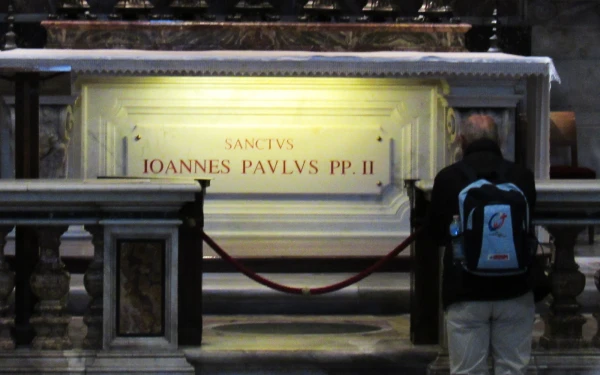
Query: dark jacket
[(484, 156)]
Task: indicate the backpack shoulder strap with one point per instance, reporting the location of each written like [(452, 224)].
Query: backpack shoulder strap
[(503, 171), (500, 173), (468, 171)]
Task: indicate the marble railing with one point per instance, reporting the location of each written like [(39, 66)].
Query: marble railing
[(564, 208), (135, 226)]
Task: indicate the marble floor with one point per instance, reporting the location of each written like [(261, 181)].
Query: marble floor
[(322, 345)]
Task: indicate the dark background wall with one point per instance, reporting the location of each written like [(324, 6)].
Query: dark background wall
[(462, 7), (515, 34)]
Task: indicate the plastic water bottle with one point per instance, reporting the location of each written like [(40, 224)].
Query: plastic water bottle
[(457, 241)]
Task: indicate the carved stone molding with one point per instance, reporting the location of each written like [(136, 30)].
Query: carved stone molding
[(56, 124)]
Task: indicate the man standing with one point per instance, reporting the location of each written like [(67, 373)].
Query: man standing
[(483, 313)]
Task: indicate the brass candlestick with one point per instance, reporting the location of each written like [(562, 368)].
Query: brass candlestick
[(494, 47), (133, 9), (10, 38), (253, 10), (322, 11), (434, 11), (378, 11), (73, 8), (189, 9)]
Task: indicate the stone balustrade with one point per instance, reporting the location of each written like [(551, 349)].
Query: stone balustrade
[(132, 279)]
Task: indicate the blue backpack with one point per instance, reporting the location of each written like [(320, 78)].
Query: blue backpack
[(495, 221)]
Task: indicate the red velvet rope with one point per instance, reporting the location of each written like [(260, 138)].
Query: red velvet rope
[(308, 291)]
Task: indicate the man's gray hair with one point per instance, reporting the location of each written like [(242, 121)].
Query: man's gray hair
[(479, 126)]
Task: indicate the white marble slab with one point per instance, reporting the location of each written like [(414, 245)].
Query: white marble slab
[(120, 194), (135, 62)]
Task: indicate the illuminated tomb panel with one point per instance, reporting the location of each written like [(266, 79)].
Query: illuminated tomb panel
[(300, 165)]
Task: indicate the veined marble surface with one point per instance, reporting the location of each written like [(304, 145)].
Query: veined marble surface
[(141, 290), (184, 36)]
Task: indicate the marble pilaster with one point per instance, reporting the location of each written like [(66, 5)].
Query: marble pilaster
[(56, 125)]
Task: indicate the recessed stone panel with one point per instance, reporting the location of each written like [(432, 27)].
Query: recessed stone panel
[(141, 294)]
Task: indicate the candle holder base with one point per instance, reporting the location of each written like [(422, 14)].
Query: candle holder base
[(253, 11), (323, 11), (132, 9), (189, 10), (378, 11)]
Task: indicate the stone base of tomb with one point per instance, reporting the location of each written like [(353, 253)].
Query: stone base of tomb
[(80, 362)]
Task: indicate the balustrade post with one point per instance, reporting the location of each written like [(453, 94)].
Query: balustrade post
[(50, 283), (7, 284), (93, 280), (563, 324), (596, 339)]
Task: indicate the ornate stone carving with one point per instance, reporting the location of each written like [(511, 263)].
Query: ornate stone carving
[(563, 323), (50, 283), (203, 36), (452, 128), (93, 280), (7, 284), (56, 124)]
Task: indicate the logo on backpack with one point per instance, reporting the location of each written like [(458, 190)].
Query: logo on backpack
[(495, 222)]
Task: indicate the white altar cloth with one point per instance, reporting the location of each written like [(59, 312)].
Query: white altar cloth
[(278, 63)]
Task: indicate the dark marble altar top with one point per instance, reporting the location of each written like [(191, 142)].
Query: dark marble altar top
[(108, 25), (295, 36)]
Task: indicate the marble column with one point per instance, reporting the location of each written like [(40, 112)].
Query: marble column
[(50, 283), (563, 324), (93, 281), (7, 284)]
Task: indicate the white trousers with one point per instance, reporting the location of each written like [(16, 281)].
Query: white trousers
[(505, 327)]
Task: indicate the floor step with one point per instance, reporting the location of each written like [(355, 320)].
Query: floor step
[(383, 293)]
